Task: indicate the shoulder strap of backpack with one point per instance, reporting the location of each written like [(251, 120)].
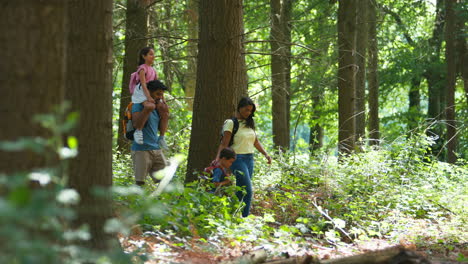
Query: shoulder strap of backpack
[(234, 130), (236, 125)]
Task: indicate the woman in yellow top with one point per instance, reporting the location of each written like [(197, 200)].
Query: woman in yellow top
[(244, 143)]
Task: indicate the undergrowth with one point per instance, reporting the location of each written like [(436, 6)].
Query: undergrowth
[(394, 192)]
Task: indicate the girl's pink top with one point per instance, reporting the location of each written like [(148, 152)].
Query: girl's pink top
[(150, 73)]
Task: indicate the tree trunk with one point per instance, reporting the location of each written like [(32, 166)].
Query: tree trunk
[(450, 50), (164, 28), (89, 87), (462, 46), (316, 131), (435, 76), (32, 74), (361, 49), (372, 75), (346, 75), (414, 98), (434, 70), (221, 78), (191, 74), (136, 33), (280, 39)]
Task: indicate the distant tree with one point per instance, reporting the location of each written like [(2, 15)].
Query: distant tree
[(221, 78), (434, 72), (372, 74), (32, 74), (361, 51), (191, 74), (280, 43), (450, 53), (346, 75), (164, 24), (89, 87), (136, 38)]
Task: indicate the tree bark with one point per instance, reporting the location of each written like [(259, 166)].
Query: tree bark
[(280, 39), (191, 74), (372, 75), (136, 33), (32, 75), (450, 49), (89, 88), (361, 49), (346, 75), (221, 78)]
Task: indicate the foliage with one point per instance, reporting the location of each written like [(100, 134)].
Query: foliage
[(37, 209), (193, 210)]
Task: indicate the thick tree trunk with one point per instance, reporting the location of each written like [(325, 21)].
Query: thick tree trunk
[(221, 78), (361, 49), (136, 33), (191, 74), (450, 49), (280, 39), (89, 86), (346, 75), (32, 74), (372, 75)]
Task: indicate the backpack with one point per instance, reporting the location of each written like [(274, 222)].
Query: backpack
[(208, 171), (234, 131), (134, 80), (127, 124)]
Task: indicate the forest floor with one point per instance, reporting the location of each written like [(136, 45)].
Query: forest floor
[(160, 248)]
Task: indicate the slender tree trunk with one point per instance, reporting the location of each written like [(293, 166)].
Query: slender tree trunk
[(436, 77), (433, 73), (346, 75), (361, 49), (32, 74), (450, 50), (163, 28), (316, 131), (372, 75), (221, 78), (191, 74), (280, 39), (136, 33), (462, 45), (414, 98), (89, 87)]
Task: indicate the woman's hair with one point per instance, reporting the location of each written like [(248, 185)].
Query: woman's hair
[(143, 52), (246, 101)]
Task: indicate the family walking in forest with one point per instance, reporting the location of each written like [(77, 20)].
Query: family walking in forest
[(150, 115)]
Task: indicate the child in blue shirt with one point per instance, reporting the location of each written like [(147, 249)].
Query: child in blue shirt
[(226, 157)]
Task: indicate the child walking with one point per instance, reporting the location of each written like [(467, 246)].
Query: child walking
[(144, 74)]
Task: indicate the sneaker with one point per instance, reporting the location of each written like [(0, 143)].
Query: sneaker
[(162, 143), (138, 136)]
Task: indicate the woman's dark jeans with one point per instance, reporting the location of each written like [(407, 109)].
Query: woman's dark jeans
[(243, 170)]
